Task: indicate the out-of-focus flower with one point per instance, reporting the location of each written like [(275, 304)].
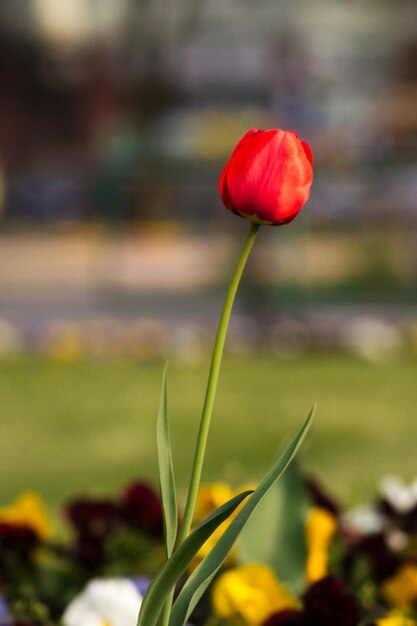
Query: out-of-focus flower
[(268, 177), (209, 498), (398, 503), (364, 520), (287, 618), (209, 545), (401, 589), (320, 530), (4, 612), (140, 508), (28, 511), (142, 583), (17, 545), (89, 551), (251, 593), (92, 515), (93, 520), (111, 602), (401, 497), (23, 525), (326, 603), (378, 555), (329, 603), (395, 619)]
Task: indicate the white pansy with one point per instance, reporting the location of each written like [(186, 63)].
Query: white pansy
[(365, 520), (110, 602), (402, 497)]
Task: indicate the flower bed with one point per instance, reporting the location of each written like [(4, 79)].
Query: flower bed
[(357, 567)]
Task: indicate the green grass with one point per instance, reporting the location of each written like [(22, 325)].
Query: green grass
[(90, 427)]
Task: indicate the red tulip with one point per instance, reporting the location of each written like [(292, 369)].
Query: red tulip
[(268, 177)]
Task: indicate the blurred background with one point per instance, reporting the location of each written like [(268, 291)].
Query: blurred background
[(116, 118)]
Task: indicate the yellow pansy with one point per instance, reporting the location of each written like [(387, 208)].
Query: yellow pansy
[(250, 594), (209, 498), (28, 510), (209, 544), (401, 589), (320, 529), (395, 620)]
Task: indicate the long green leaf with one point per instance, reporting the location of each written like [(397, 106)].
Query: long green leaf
[(202, 576), (282, 542), (174, 568), (166, 470)]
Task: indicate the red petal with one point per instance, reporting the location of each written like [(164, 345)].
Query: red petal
[(268, 176), (308, 152), (224, 193)]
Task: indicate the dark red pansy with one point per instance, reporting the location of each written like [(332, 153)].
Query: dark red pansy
[(329, 603), (97, 517), (375, 551), (141, 509), (18, 540), (286, 618), (326, 603), (90, 552), (403, 520)]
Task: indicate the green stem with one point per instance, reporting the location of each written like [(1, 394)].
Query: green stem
[(209, 402), (212, 384)]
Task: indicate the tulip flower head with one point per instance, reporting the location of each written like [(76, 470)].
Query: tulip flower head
[(268, 177)]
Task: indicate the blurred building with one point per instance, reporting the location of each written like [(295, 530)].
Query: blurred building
[(127, 110)]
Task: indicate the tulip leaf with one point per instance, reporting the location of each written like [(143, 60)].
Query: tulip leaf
[(200, 579), (172, 570), (282, 542), (166, 470)]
